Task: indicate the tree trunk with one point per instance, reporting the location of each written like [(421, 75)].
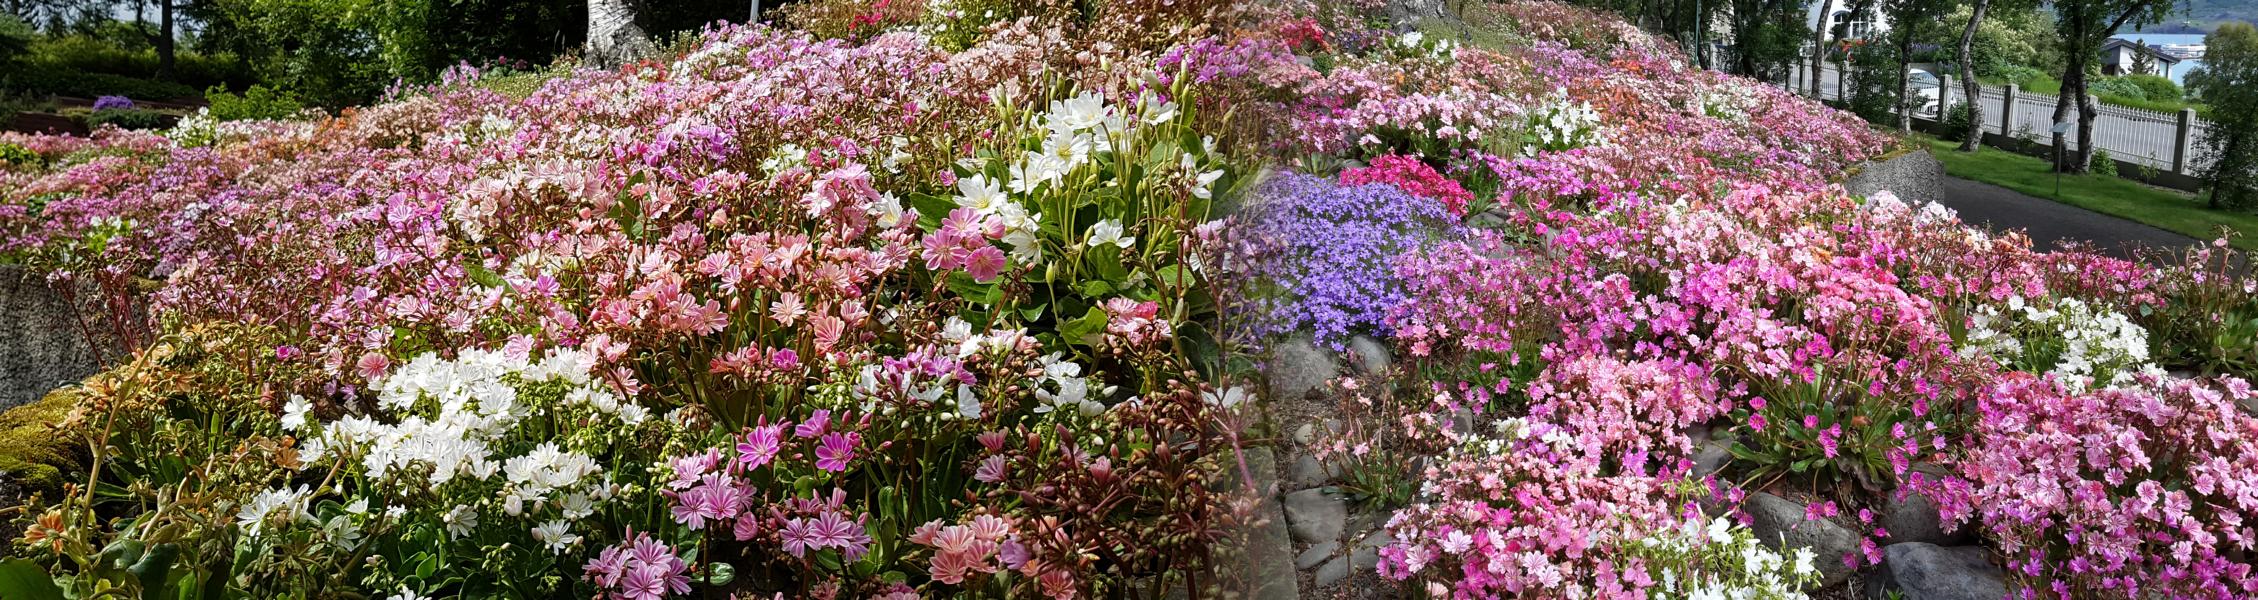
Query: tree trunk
[(2087, 111), (1819, 47), (166, 58), (1968, 81), (1904, 83), (613, 37)]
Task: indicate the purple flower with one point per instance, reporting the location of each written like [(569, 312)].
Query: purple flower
[(1327, 250), (113, 103), (833, 530), (797, 539), (835, 450), (606, 568)]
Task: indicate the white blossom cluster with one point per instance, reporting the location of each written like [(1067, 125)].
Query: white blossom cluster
[(1722, 560), (1560, 124), (453, 421), (1074, 131), (2091, 343)]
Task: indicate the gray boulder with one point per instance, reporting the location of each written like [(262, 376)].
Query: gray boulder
[(1921, 571), (1779, 524)]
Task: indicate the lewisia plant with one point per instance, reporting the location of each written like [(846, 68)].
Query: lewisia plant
[(776, 316)]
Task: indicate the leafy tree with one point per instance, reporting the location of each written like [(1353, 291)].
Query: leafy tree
[(613, 36), (2084, 26), (2229, 83), (1908, 17)]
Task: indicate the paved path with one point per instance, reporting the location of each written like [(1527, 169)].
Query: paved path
[(2049, 222)]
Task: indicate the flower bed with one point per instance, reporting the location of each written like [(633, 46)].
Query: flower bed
[(930, 313)]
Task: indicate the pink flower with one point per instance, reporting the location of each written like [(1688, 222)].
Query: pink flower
[(985, 264), (372, 365), (991, 470)]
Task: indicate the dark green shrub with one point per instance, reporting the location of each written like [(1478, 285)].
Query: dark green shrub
[(259, 102), (2103, 163), (92, 85), (129, 118), (1956, 122)]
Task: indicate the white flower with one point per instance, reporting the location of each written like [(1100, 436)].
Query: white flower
[(460, 521), (1230, 397), (1025, 247), (284, 503), (342, 531), (406, 594), (1073, 393), (968, 405), (294, 412), (1081, 112), (1109, 232), (1202, 188), (555, 535), (980, 194)]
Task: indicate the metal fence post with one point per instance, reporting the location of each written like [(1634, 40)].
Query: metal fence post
[(2180, 138), (2007, 110)]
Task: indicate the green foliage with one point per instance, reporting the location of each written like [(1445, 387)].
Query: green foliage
[(2229, 83), (103, 55), (317, 48), (15, 37), (14, 156), (2014, 42), (1956, 121), (128, 118), (2151, 88), (2104, 164), (91, 85), (258, 102), (1873, 83)]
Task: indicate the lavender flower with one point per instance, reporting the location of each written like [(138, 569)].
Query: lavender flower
[(1320, 254), (112, 103)]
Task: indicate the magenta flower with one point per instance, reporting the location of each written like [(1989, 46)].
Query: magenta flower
[(836, 449), (760, 446), (816, 424)]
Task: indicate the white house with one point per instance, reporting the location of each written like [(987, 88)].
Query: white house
[(2129, 57), (1868, 25)]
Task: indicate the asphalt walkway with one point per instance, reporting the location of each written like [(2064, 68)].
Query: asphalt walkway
[(2050, 223)]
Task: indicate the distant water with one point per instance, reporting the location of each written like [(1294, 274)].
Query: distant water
[(2179, 71)]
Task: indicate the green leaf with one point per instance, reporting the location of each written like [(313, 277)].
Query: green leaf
[(22, 579), (720, 573), (1084, 330), (480, 275), (973, 291), (1096, 288)]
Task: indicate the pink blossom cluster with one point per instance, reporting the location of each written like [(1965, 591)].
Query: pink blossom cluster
[(1411, 175), (2145, 490)]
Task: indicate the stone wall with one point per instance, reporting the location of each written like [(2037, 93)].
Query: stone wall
[(1915, 177), (41, 346)]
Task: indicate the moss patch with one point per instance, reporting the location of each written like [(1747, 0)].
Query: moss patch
[(33, 451)]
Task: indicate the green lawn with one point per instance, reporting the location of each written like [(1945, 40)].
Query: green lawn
[(2166, 209)]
